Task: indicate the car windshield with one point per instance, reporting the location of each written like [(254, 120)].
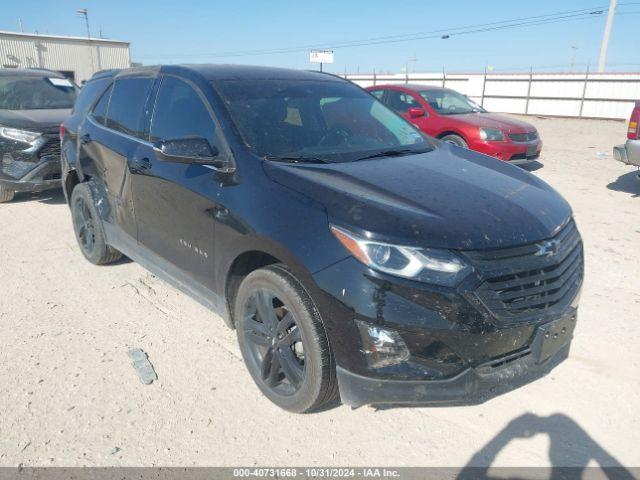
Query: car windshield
[(316, 120), (450, 102), (31, 93)]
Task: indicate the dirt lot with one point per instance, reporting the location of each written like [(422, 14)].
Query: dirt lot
[(69, 396)]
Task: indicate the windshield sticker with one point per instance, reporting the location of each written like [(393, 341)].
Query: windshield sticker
[(60, 82)]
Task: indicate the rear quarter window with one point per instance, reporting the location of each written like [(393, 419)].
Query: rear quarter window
[(100, 110), (89, 94)]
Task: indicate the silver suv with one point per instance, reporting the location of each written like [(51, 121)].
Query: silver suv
[(629, 153)]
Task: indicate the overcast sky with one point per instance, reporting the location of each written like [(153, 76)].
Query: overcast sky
[(163, 31)]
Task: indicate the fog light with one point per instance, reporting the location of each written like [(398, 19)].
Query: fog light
[(381, 347)]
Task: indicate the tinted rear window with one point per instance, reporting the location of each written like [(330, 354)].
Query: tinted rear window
[(126, 109)]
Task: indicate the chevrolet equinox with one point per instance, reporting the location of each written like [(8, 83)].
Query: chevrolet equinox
[(353, 254)]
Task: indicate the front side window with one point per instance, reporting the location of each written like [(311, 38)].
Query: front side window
[(401, 102), (35, 93), (330, 119), (180, 112), (450, 102), (126, 108)]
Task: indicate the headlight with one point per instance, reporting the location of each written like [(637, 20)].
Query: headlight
[(19, 135), (425, 264), (491, 134)]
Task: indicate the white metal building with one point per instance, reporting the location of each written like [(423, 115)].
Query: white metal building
[(76, 57)]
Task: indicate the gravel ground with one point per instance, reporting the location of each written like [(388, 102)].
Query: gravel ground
[(69, 395)]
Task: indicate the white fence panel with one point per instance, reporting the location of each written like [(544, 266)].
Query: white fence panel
[(506, 105), (591, 95)]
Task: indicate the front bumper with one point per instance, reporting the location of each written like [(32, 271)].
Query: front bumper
[(512, 152), (460, 351), (629, 153), (472, 386), (32, 169)]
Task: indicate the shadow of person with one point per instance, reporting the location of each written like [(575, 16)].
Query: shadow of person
[(627, 183), (570, 451), (533, 166)]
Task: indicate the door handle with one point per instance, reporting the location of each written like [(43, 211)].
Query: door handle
[(140, 164)]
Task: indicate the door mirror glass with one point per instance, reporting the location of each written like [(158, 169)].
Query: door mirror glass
[(416, 112), (186, 150)]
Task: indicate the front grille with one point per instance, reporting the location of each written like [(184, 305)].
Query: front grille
[(523, 156), (523, 137), (50, 149), (520, 282)]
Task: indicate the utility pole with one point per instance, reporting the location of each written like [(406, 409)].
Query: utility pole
[(574, 49), (605, 37), (85, 13)]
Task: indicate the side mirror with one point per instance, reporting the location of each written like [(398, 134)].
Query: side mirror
[(185, 150), (416, 112), (193, 150)]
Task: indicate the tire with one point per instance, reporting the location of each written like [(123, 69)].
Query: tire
[(291, 361), (455, 140), (6, 194), (88, 228)]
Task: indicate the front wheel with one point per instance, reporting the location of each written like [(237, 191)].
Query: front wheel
[(283, 341), (455, 140)]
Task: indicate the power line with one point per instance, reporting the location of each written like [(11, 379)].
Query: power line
[(558, 17)]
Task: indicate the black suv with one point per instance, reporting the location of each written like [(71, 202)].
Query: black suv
[(33, 103), (350, 252)]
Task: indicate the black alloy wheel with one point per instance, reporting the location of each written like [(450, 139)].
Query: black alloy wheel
[(88, 227), (274, 341), (283, 340), (85, 226)]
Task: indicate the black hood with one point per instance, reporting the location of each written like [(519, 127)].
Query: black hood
[(45, 121), (447, 198)]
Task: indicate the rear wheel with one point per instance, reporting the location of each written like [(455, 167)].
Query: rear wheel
[(455, 140), (283, 341), (6, 194), (88, 228)]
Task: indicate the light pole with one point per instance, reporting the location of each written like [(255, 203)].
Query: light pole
[(85, 13), (605, 37)]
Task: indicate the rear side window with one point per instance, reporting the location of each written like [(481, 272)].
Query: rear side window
[(100, 110), (401, 101), (180, 112), (377, 93), (126, 109), (88, 95)]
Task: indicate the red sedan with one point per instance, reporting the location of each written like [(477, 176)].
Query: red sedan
[(446, 114)]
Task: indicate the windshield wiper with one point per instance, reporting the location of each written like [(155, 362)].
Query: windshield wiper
[(393, 153), (295, 159)]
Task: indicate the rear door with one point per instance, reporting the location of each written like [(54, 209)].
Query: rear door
[(401, 102), (110, 136), (175, 202)]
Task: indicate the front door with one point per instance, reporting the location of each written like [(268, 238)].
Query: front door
[(401, 102), (175, 202)]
